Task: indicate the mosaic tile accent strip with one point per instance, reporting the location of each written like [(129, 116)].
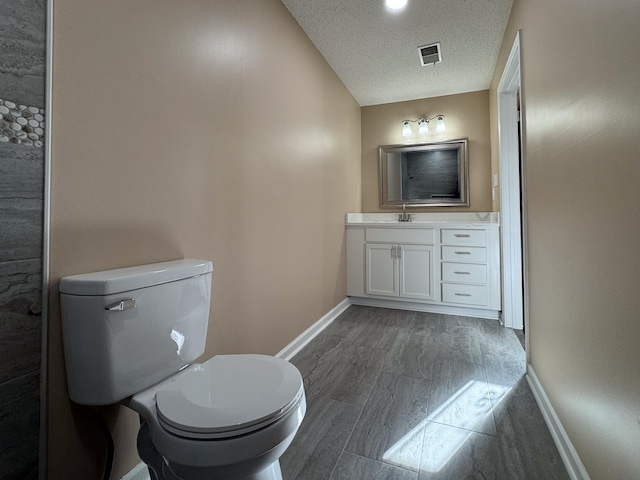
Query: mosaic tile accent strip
[(21, 124)]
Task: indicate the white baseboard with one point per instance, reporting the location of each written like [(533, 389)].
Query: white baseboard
[(310, 333), (427, 307), (139, 472), (570, 458)]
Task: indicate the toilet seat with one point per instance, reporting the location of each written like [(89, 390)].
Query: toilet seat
[(227, 396)]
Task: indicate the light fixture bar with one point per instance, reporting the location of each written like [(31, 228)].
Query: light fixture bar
[(423, 125)]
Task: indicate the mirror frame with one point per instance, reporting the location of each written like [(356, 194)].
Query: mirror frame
[(463, 174)]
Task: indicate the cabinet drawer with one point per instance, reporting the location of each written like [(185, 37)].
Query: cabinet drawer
[(463, 237), (400, 235), (466, 294), (464, 254), (464, 273)]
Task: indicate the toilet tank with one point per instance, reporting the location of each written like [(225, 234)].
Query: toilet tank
[(127, 329)]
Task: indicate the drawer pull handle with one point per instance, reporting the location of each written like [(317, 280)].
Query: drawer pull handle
[(462, 294), (462, 253), (462, 273), (461, 235)]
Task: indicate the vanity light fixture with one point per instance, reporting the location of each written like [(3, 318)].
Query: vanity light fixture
[(423, 125)]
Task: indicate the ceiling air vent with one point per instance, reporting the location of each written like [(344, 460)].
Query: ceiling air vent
[(430, 54)]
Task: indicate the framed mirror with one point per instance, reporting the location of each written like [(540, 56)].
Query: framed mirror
[(425, 175)]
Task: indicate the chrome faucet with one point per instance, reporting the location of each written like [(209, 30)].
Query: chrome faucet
[(404, 216)]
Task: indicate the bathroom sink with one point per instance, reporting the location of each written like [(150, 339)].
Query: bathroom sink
[(418, 219)]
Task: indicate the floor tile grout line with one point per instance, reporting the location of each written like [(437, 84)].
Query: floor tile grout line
[(477, 336), (492, 361), (470, 430), (344, 401), (422, 434), (417, 471), (335, 466), (21, 376), (493, 404), (383, 463), (359, 414), (358, 419)]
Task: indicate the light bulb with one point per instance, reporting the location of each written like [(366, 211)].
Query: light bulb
[(440, 126), (423, 127), (406, 130), (396, 4)]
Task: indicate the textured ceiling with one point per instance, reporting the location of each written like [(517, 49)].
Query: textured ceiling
[(374, 51)]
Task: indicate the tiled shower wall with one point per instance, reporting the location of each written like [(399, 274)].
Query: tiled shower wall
[(22, 99)]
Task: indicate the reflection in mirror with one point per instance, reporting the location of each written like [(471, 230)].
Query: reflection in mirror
[(427, 175)]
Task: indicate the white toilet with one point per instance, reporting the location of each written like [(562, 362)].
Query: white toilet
[(130, 336)]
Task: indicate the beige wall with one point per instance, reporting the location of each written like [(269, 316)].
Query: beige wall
[(203, 129), (581, 82), (466, 115)]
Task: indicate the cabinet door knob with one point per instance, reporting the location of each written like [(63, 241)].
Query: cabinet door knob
[(462, 273), (462, 294), (399, 251), (461, 235), (462, 253)]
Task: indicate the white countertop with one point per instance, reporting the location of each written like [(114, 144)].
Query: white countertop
[(423, 219)]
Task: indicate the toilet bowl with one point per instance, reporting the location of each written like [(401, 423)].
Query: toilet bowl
[(230, 417), (130, 336)]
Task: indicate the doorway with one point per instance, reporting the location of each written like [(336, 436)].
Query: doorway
[(512, 194)]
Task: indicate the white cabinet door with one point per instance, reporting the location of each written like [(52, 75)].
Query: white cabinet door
[(416, 271), (382, 274), (400, 271)]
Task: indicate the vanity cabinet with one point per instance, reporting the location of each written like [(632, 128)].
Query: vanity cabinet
[(465, 267), (399, 262), (399, 270), (452, 267)]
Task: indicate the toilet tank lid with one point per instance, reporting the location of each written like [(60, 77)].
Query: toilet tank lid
[(132, 278)]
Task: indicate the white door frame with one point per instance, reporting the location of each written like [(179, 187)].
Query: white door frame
[(510, 194)]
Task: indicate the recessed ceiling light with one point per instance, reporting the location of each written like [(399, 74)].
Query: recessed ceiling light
[(396, 4)]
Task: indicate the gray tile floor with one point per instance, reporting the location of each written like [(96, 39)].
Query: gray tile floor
[(402, 395)]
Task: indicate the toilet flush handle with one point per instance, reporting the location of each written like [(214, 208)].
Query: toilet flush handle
[(124, 304)]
